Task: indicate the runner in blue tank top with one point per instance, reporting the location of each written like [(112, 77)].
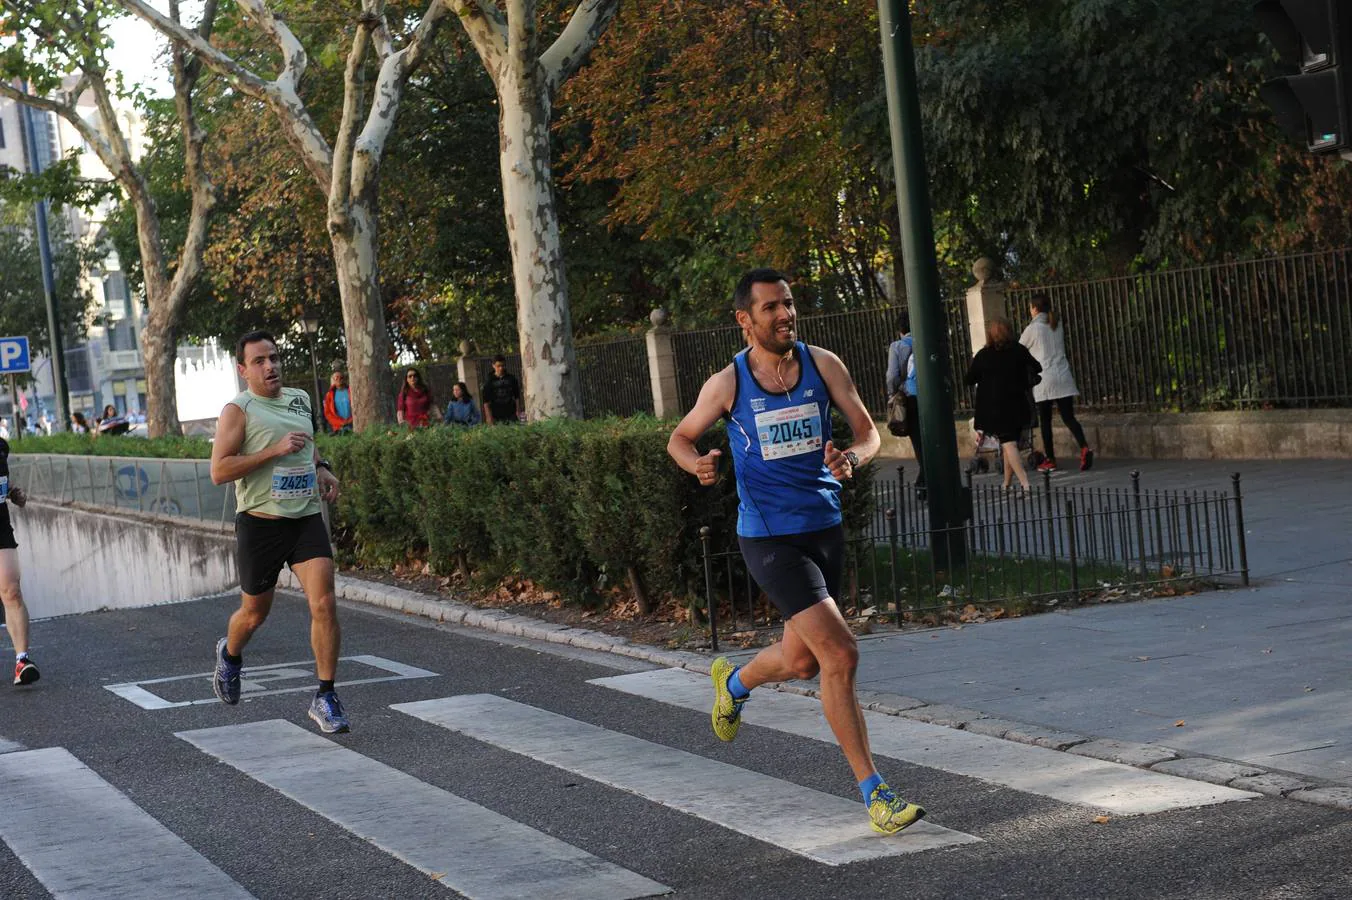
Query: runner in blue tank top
[(777, 397)]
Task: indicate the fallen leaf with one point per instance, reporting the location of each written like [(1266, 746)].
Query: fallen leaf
[(1268, 650), (1143, 658), (1101, 820), (1180, 723), (1308, 689)]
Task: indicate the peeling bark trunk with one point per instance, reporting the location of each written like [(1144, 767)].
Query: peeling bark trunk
[(543, 319), (159, 342), (368, 342)]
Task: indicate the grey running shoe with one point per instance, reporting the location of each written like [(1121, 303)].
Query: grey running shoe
[(327, 711), (225, 682)]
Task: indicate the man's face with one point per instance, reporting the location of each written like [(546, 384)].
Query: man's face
[(262, 368), (499, 368), (338, 380), (771, 319)]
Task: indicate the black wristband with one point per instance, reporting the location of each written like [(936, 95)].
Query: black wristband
[(323, 464)]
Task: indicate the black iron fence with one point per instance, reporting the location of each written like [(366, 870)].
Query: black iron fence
[(1017, 550), (1263, 332), (615, 377)]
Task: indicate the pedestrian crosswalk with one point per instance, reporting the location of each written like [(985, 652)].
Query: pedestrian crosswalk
[(81, 836)]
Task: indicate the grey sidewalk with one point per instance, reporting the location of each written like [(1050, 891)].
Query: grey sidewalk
[(1260, 675)]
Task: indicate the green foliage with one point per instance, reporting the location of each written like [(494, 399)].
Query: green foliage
[(23, 310), (116, 445), (573, 504)]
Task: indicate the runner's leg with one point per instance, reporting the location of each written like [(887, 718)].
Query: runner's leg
[(316, 578), (16, 612), (253, 611)]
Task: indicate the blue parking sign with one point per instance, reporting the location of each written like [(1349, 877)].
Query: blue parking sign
[(13, 355)]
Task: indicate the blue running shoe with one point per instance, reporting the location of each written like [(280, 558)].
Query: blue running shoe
[(327, 711), (226, 680)]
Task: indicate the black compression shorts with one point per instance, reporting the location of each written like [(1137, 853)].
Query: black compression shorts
[(797, 571), (263, 546)]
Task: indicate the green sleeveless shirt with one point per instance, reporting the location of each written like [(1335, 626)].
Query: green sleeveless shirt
[(285, 486)]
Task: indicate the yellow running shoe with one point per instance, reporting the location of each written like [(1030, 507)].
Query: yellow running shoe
[(888, 813), (727, 713)]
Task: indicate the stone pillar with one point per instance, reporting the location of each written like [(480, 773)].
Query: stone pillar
[(467, 370), (662, 366), (985, 299)]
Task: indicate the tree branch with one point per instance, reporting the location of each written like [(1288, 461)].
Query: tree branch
[(566, 55), (339, 183), (242, 78), (521, 39), (487, 30), (68, 112)]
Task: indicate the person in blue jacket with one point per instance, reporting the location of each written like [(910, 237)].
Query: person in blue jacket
[(461, 410)]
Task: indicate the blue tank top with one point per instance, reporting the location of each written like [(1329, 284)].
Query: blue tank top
[(778, 442)]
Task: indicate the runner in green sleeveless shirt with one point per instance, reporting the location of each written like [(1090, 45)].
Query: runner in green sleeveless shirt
[(265, 445)]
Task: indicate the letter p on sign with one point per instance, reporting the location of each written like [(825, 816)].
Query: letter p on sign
[(13, 355)]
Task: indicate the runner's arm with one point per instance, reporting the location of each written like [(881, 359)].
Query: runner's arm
[(846, 398), (226, 462), (715, 399)]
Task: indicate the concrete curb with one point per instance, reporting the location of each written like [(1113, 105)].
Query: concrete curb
[(1153, 757)]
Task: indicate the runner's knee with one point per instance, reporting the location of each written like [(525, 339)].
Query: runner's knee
[(324, 606), (840, 655)]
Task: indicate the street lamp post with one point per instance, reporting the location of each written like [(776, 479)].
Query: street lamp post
[(310, 321)]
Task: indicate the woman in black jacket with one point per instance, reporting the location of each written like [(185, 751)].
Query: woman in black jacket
[(1004, 372)]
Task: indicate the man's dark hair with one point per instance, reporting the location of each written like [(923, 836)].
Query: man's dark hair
[(249, 338), (500, 359), (741, 295), (903, 323)]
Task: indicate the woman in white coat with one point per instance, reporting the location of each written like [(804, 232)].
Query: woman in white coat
[(1045, 339)]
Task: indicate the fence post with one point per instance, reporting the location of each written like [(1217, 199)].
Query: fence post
[(467, 370), (1140, 521), (1074, 554), (892, 548), (1239, 526), (985, 300), (710, 600), (662, 366)]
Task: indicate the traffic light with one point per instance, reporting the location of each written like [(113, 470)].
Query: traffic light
[(1314, 102)]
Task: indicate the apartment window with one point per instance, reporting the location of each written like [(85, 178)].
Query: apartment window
[(2, 134), (122, 336), (77, 369), (116, 298)]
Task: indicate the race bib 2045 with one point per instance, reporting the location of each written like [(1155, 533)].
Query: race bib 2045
[(790, 431), (293, 482)]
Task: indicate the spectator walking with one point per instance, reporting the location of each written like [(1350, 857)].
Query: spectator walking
[(338, 405), (414, 405), (461, 410), (901, 379), (502, 394), (1003, 372), (1045, 339)]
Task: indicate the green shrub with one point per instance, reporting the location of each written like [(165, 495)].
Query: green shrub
[(114, 445)]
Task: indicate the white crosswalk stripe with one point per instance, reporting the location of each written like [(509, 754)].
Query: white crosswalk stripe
[(473, 850), (82, 837), (822, 827), (1112, 787)]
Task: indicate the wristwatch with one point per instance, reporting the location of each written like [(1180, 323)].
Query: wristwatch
[(323, 464), (853, 459)]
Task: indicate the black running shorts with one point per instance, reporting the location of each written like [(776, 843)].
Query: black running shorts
[(797, 571), (7, 541), (263, 546)]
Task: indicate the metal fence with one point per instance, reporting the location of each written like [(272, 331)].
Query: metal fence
[(1051, 543), (172, 487), (615, 377)]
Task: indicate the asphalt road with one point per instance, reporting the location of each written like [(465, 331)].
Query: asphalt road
[(272, 845)]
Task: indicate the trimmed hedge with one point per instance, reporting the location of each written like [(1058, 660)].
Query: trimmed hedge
[(583, 504), (113, 445)]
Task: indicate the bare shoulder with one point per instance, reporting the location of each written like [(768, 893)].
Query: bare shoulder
[(721, 386), (827, 362)]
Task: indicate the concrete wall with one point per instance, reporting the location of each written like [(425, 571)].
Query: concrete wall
[(76, 559), (1257, 434)]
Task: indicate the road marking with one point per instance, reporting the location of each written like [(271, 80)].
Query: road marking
[(82, 837), (823, 827), (1112, 787), (255, 677), (462, 845), (9, 746)]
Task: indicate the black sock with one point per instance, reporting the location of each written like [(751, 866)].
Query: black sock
[(325, 687), (233, 660)]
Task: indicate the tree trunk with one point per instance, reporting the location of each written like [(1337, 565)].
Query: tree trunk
[(543, 320), (159, 343), (368, 343)]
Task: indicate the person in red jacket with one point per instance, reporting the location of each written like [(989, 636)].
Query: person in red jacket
[(338, 405), (414, 404)]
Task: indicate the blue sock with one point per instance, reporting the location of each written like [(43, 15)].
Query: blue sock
[(739, 692), (867, 786)]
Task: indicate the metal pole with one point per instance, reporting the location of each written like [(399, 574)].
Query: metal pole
[(935, 392), (319, 398), (710, 599), (57, 350), (1239, 530), (14, 403), (1140, 522)]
